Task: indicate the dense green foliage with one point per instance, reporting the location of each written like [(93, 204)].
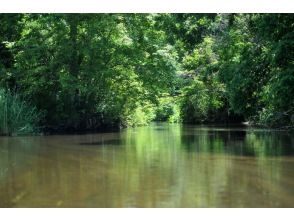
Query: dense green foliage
[(168, 110), (88, 71), (257, 67), (240, 67), (92, 71)]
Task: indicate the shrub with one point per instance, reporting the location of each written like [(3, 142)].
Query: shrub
[(202, 100), (16, 115), (141, 115), (168, 110)]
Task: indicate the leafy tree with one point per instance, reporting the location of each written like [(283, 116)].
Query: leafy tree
[(85, 68), (91, 71)]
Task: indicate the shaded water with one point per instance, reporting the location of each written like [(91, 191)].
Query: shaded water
[(161, 165)]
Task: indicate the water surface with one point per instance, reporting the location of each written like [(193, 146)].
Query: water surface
[(161, 165)]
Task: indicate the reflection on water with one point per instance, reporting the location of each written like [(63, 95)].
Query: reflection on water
[(103, 143), (160, 165)]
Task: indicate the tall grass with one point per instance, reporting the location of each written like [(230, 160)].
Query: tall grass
[(16, 115)]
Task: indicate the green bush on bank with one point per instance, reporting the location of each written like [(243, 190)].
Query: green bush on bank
[(202, 100), (143, 114), (16, 115), (168, 110)]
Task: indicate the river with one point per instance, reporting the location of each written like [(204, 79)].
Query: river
[(161, 165)]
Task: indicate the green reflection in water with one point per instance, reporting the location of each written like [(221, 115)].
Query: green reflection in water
[(162, 165)]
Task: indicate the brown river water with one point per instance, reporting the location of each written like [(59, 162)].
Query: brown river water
[(161, 165)]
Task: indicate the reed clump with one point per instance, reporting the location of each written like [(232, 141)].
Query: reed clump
[(16, 115)]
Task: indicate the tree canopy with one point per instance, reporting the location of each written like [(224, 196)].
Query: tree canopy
[(92, 71)]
